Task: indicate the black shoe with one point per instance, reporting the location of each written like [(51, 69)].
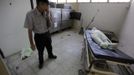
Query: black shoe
[(40, 66), (52, 57)]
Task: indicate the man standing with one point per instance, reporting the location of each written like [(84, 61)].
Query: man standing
[(38, 21)]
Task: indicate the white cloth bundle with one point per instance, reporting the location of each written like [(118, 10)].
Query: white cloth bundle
[(26, 52)]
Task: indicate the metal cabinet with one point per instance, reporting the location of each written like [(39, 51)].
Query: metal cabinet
[(66, 21), (61, 19), (66, 24), (65, 14), (55, 26), (56, 14), (56, 18)]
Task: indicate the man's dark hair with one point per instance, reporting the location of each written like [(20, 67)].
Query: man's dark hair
[(43, 1)]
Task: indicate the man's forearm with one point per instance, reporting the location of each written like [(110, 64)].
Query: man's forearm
[(30, 37)]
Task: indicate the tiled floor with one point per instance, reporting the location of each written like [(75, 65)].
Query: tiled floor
[(67, 45)]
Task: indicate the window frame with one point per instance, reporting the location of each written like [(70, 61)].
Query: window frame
[(85, 2), (119, 2), (90, 1), (71, 2), (61, 2), (99, 2)]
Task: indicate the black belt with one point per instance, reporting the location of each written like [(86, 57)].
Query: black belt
[(42, 33)]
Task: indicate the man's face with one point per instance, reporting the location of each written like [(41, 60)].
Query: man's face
[(43, 6)]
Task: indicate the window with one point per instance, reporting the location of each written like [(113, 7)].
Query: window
[(53, 1), (119, 0), (99, 0), (83, 0), (61, 1), (74, 1), (71, 1)]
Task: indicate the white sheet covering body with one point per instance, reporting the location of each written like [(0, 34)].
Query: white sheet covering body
[(102, 40)]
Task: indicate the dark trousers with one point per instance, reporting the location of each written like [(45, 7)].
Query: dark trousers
[(43, 40)]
